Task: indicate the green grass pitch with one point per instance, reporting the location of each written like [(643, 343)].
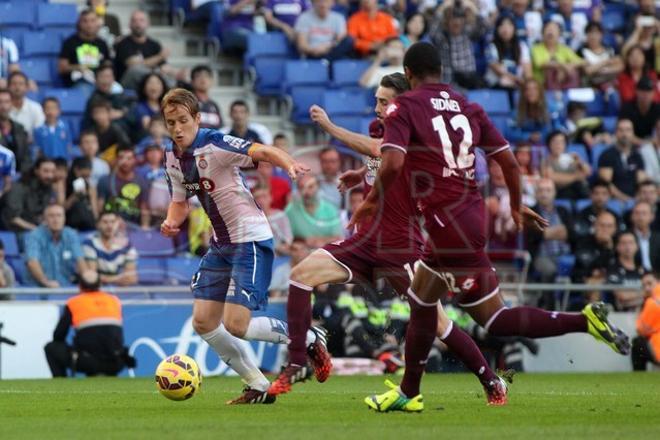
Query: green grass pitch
[(556, 406)]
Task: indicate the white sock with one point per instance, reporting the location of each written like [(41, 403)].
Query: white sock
[(231, 350), (264, 328)]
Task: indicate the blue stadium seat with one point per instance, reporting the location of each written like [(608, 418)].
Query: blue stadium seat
[(565, 264), (182, 269), (598, 106), (493, 101), (269, 74), (151, 271), (500, 122), (344, 103), (609, 123), (74, 125), (302, 98), (40, 70), (348, 72), (614, 20), (581, 204), (17, 14), (365, 122), (270, 44), (41, 43), (596, 151), (566, 203), (151, 244), (56, 15), (305, 73), (14, 34), (617, 206), (580, 150), (20, 270), (72, 101), (10, 242)]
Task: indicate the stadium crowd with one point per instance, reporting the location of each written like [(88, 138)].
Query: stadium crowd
[(581, 78)]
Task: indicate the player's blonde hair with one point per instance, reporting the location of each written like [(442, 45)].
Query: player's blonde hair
[(181, 97)]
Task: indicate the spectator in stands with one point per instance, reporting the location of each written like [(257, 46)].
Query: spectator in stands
[(532, 121), (137, 54), (627, 272), (329, 178), (602, 65), (567, 170), (647, 192), (153, 173), (635, 69), (151, 90), (201, 79), (594, 253), (620, 165), (370, 28), (555, 65), (239, 113), (82, 53), (281, 15), (98, 343), (547, 245), (54, 137), (583, 129), (413, 30), (110, 28), (321, 32), (25, 111), (650, 152), (600, 196), (355, 199), (529, 23), (24, 204), (7, 277), (110, 134), (8, 59), (646, 347), (282, 142), (508, 58), (124, 191), (59, 183), (279, 222), (89, 147), (389, 59), (313, 218), (110, 253), (107, 89), (52, 251), (7, 169), (13, 135), (81, 202), (530, 173), (503, 233), (572, 23), (647, 240), (642, 111), (279, 187), (456, 28), (157, 136), (646, 36)]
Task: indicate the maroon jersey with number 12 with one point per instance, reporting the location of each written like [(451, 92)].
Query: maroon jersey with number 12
[(438, 129)]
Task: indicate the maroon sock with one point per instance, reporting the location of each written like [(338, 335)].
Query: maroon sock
[(299, 318), (420, 335), (467, 351), (531, 322)]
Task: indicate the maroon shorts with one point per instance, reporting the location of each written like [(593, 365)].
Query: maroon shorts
[(366, 262), (455, 251)]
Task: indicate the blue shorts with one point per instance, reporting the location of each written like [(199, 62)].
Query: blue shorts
[(235, 273)]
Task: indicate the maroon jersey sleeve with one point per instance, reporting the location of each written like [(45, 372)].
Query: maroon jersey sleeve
[(397, 127), (376, 129), (490, 140)]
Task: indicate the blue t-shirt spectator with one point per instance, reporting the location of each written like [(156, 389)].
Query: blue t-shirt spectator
[(58, 259), (53, 141), (7, 166)]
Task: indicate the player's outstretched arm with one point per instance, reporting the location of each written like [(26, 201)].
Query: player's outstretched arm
[(177, 213), (355, 141), (279, 158)]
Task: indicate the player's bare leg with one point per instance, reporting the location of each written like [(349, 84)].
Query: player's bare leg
[(207, 322), (318, 268)]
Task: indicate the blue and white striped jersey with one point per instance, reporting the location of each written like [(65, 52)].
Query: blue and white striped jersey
[(210, 169)]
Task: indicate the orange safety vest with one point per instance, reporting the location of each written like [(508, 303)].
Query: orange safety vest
[(94, 308), (648, 322)]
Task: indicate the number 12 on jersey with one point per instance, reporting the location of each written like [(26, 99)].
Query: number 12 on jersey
[(465, 159)]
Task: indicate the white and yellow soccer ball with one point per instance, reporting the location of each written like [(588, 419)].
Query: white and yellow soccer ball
[(178, 377)]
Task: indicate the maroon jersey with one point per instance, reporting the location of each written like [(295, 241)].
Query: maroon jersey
[(395, 227), (439, 129)]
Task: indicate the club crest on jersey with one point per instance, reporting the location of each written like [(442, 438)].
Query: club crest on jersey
[(202, 163), (391, 109)]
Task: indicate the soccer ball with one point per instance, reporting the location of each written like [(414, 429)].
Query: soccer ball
[(178, 377)]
